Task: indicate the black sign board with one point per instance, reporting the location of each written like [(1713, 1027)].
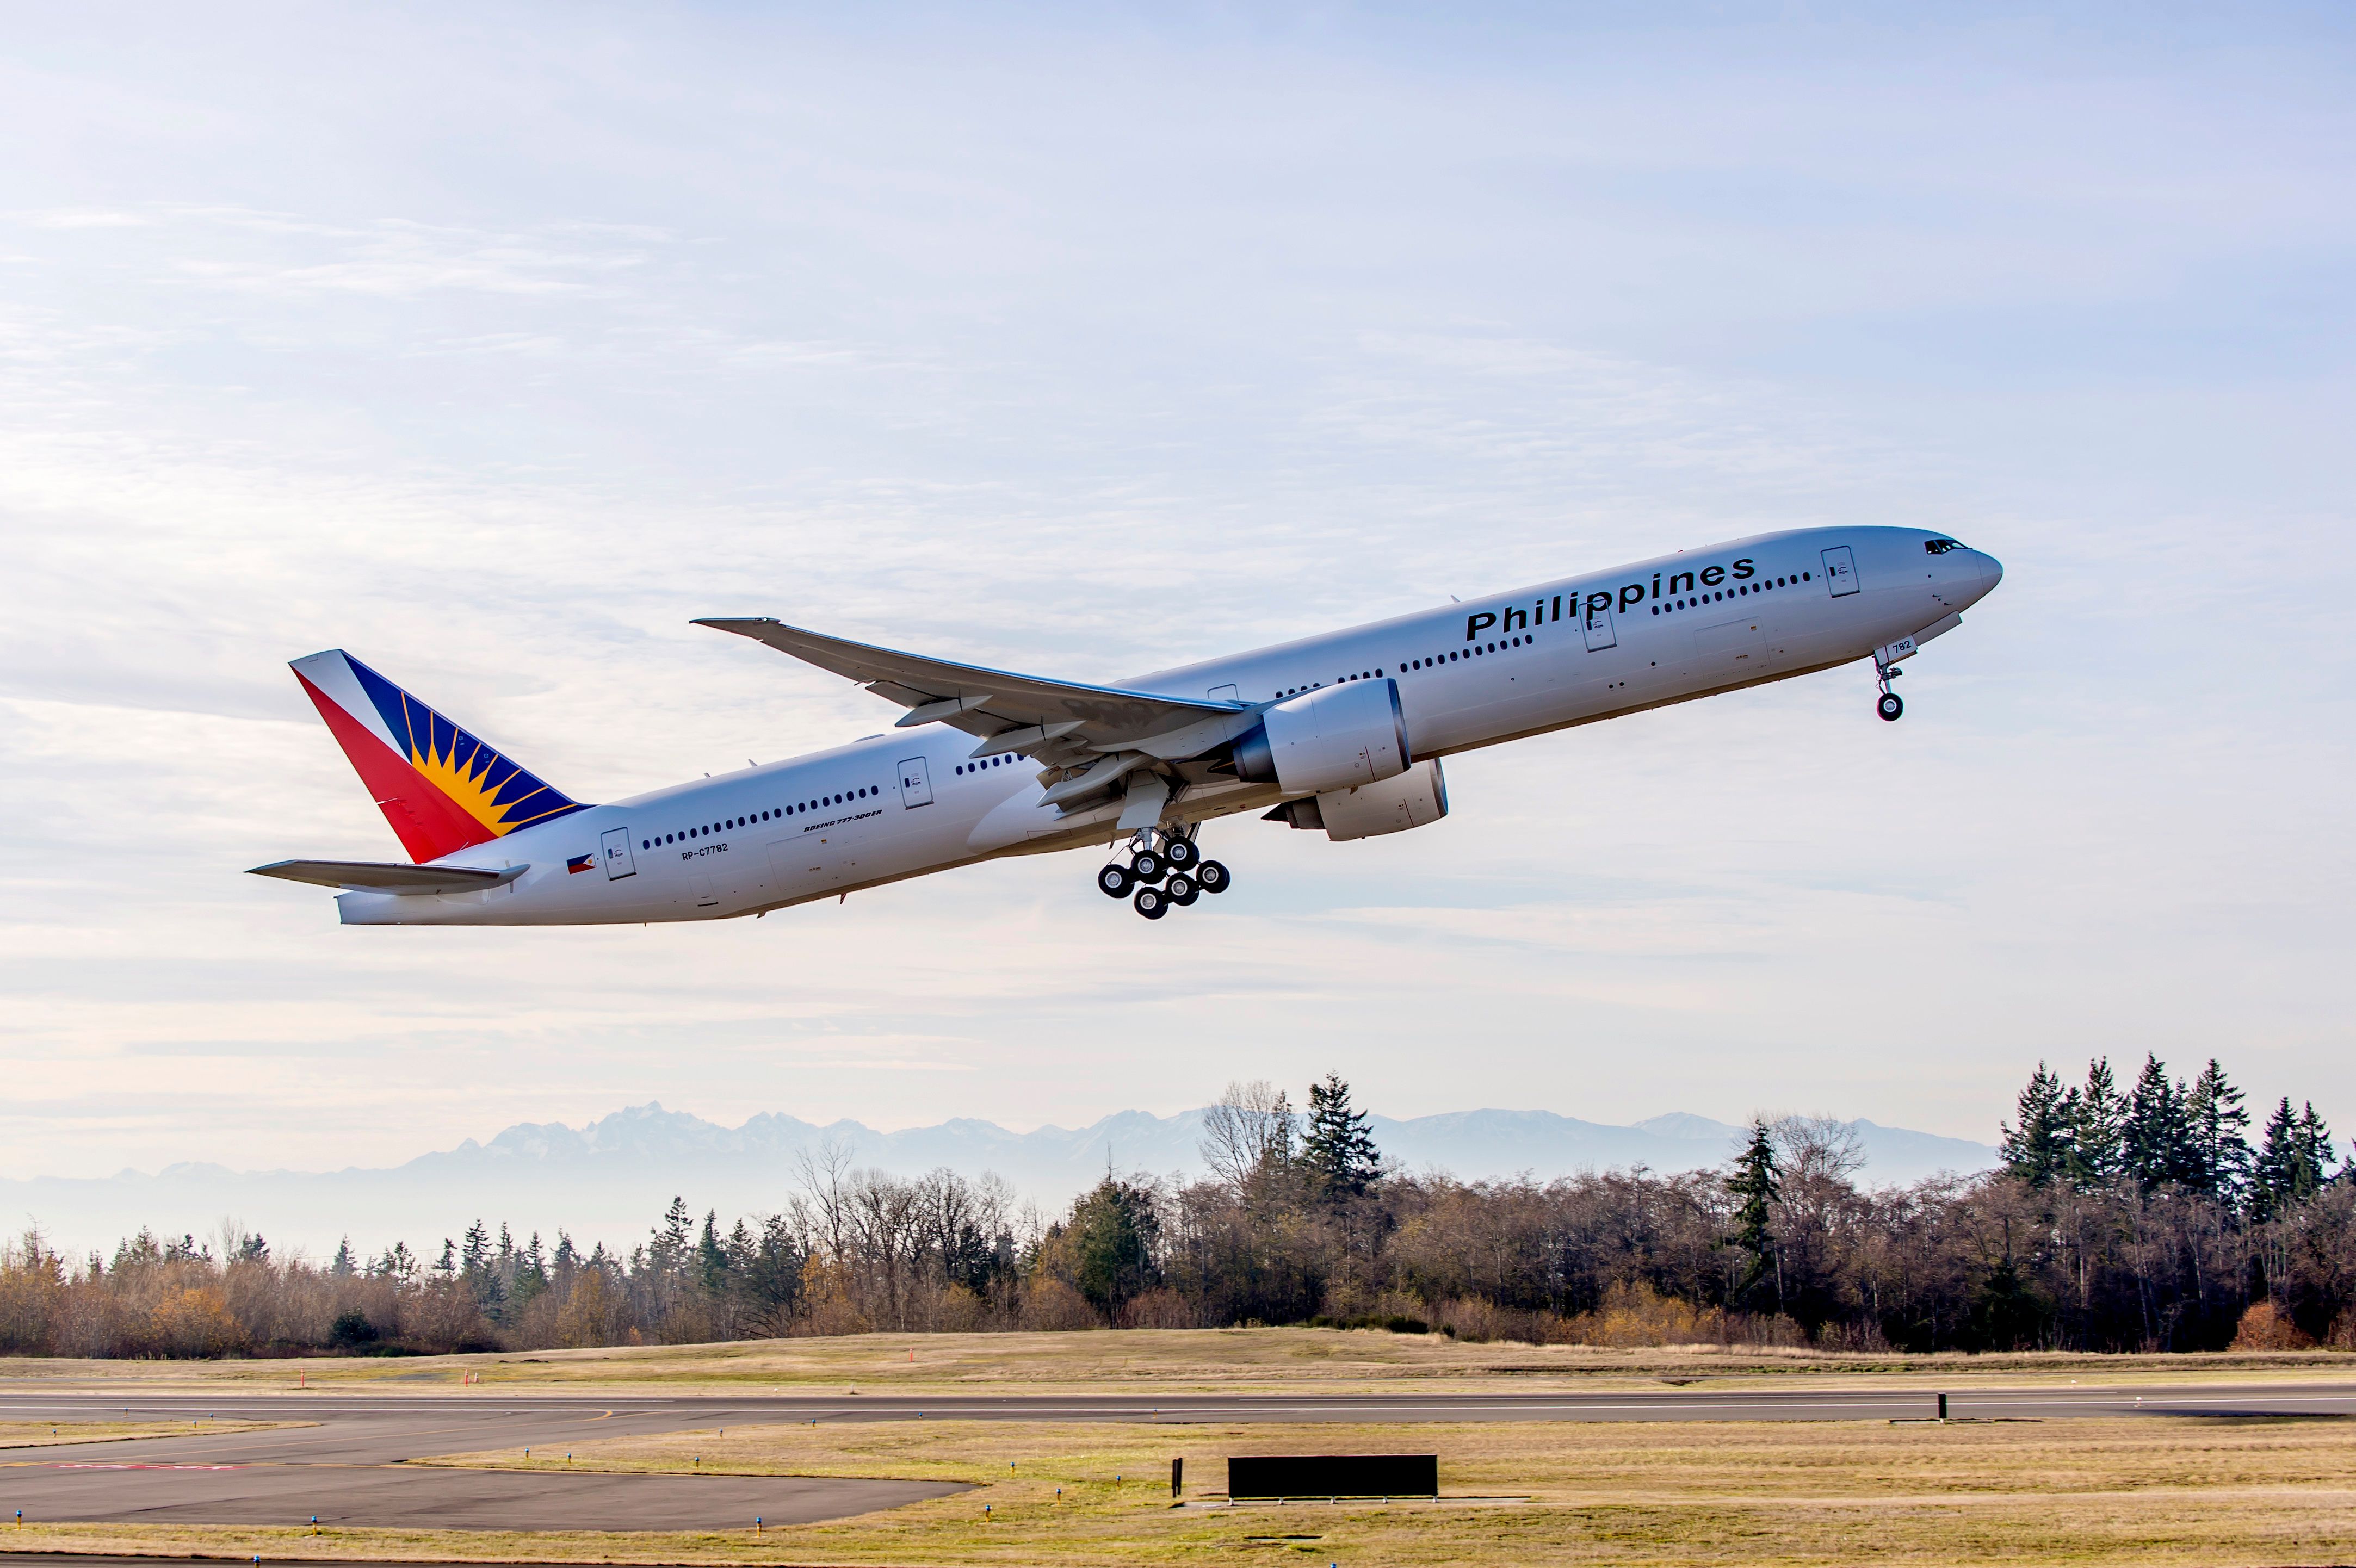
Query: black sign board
[(1334, 1475)]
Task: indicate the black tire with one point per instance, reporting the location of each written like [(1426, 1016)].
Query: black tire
[(1181, 853), (1151, 903), (1212, 876), (1890, 706), (1115, 881), (1181, 890), (1148, 867)]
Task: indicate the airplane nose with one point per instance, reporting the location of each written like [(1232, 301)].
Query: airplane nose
[(1991, 570)]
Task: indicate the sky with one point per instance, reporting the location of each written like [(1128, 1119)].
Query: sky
[(493, 342)]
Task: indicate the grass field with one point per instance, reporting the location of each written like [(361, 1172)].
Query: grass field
[(2147, 1490), (1176, 1361), (50, 1433)]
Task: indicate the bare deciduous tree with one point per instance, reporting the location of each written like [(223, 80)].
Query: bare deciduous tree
[(1248, 1132)]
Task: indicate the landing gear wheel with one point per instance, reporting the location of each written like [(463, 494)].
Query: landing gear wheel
[(1151, 903), (1212, 876), (1115, 881), (1181, 853), (1147, 866), (1181, 890), (1889, 706)]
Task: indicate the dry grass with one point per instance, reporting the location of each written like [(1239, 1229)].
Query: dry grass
[(2147, 1490), (1172, 1360), (52, 1433)]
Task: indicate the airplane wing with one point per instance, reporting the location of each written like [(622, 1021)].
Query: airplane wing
[(1055, 720), (376, 877)]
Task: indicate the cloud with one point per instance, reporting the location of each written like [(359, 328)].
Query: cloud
[(1092, 352)]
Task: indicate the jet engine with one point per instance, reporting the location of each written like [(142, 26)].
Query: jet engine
[(1333, 737), (1393, 805)]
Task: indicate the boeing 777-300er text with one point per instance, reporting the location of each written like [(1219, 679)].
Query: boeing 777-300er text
[(1343, 732)]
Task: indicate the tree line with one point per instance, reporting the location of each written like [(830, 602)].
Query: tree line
[(2143, 1219)]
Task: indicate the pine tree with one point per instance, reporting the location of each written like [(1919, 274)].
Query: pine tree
[(2038, 1151), (1338, 1150), (2314, 1147), (2158, 1134), (711, 1257), (1116, 1237), (530, 1274), (1756, 1181), (674, 1244), (2221, 1157), (2098, 1131), (2294, 1161), (342, 1268)]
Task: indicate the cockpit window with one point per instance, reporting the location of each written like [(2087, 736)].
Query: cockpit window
[(1940, 546)]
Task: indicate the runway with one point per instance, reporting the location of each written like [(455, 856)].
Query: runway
[(350, 1467)]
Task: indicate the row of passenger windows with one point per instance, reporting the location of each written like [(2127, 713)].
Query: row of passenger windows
[(1477, 649), (776, 814), (999, 761), (1739, 590)]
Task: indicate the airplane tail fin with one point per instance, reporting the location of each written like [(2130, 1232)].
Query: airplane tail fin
[(441, 789)]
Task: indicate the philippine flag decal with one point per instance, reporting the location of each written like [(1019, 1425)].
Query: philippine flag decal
[(576, 864)]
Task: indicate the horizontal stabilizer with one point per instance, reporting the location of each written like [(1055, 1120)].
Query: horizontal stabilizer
[(377, 877)]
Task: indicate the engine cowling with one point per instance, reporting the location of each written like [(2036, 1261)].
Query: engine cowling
[(1411, 799), (1338, 737)]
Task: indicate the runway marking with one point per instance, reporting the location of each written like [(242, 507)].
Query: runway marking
[(98, 1467)]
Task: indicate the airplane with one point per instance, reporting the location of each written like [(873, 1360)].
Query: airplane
[(1343, 732)]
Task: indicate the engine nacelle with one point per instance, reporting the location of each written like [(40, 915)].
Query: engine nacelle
[(1405, 800), (1337, 736)]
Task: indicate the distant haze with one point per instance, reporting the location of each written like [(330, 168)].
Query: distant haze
[(611, 1179)]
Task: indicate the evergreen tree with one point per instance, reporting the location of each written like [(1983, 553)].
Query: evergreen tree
[(2221, 1157), (711, 1258), (674, 1244), (2038, 1151), (2294, 1161), (1757, 1183), (1338, 1150), (1116, 1237), (475, 1253), (530, 1274), (341, 1267), (2159, 1133), (2098, 1131), (2315, 1146)]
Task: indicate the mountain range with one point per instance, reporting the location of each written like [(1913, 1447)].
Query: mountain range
[(610, 1180)]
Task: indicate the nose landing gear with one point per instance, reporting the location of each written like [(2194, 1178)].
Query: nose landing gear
[(1890, 705), (1165, 869)]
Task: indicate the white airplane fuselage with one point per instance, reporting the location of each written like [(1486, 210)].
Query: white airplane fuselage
[(916, 801)]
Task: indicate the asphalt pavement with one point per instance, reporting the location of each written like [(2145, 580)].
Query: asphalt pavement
[(350, 1467)]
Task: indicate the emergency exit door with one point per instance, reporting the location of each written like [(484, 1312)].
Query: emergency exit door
[(915, 782), (618, 863), (1600, 634)]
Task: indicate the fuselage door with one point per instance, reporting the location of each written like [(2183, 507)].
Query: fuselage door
[(1600, 634), (618, 863), (915, 782), (1841, 570)]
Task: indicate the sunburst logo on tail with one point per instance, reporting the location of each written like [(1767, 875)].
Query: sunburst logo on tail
[(441, 787)]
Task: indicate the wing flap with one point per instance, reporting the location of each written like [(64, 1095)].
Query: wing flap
[(378, 877)]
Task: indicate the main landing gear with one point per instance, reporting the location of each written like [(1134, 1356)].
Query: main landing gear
[(1890, 705), (1165, 868)]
